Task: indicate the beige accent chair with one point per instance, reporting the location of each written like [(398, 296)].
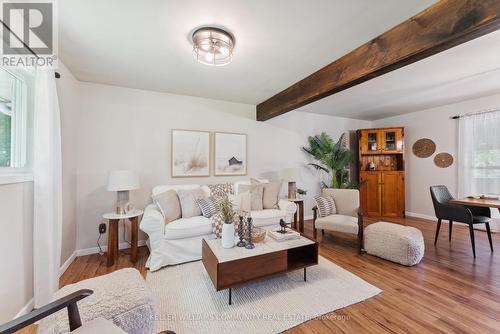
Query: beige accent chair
[(348, 219)]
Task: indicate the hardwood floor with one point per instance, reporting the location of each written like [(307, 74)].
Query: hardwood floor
[(448, 292)]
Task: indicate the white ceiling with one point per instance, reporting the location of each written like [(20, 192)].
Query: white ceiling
[(146, 44), (467, 71)]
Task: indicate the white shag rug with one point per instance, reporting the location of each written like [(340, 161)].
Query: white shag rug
[(188, 302)]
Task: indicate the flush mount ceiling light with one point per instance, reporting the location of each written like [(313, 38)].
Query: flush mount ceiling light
[(213, 46)]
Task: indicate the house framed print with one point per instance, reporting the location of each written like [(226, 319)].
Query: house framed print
[(230, 152), (190, 153)]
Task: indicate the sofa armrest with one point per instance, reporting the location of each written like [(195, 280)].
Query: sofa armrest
[(152, 221), (289, 207)]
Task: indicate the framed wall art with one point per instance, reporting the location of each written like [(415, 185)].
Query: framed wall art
[(230, 151), (190, 153)]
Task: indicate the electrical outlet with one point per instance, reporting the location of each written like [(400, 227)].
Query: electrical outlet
[(102, 228)]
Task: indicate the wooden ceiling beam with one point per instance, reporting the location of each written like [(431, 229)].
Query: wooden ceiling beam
[(442, 26)]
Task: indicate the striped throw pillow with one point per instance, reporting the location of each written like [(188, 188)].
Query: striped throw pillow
[(208, 206), (326, 205)]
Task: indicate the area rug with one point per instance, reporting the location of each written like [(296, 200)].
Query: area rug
[(188, 302)]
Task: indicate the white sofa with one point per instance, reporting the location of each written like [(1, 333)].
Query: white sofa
[(180, 241)]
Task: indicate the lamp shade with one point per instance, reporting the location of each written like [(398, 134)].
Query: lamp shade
[(120, 180), (290, 174)]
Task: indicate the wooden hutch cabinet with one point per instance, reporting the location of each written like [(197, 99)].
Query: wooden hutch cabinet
[(381, 172)]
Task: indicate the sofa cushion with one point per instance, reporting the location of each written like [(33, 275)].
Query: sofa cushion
[(98, 325), (256, 194), (188, 228), (338, 223), (169, 205), (267, 217), (271, 195), (188, 199), (208, 206)]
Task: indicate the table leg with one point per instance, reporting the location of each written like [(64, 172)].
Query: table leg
[(112, 253), (230, 300), (134, 228), (305, 274), (295, 227), (301, 217)]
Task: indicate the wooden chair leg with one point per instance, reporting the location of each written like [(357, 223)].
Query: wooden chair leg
[(360, 242), (489, 235), (438, 227), (472, 241), (315, 233), (322, 233), (450, 229)]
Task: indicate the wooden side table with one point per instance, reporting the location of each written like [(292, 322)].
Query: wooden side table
[(114, 219), (298, 218)]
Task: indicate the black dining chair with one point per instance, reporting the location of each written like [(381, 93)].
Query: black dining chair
[(469, 215)]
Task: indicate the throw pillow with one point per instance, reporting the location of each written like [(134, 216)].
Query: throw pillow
[(169, 205), (188, 198), (208, 206), (222, 189), (271, 195), (326, 205), (256, 194), (217, 223), (245, 201)]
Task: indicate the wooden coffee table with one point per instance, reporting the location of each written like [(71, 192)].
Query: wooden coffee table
[(228, 268)]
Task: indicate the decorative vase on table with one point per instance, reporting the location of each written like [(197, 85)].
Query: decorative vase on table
[(228, 235)]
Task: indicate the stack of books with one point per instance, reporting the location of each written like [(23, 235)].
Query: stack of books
[(289, 235)]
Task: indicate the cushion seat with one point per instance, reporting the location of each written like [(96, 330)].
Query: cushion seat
[(267, 217), (338, 223), (480, 219), (188, 228), (98, 325)]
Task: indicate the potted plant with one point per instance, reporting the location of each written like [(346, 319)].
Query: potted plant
[(332, 158), (227, 213)]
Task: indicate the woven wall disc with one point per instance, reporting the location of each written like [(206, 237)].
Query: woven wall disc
[(443, 160), (424, 148)]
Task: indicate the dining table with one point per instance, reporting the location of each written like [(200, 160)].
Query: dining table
[(474, 201)]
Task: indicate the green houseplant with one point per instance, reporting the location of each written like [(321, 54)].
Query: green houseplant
[(332, 158), (227, 213)]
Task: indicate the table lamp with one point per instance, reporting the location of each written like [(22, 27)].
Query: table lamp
[(291, 175), (122, 181)]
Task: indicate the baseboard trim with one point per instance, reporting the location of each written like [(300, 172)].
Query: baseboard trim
[(95, 250), (26, 308), (420, 215), (66, 263)]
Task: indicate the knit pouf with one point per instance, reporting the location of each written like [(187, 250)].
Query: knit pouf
[(394, 242), (121, 297)]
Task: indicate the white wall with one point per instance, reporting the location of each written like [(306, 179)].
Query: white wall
[(127, 128), (67, 91), (437, 125), (16, 246)]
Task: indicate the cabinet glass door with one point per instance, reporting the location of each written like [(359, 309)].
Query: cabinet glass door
[(390, 140), (372, 141)]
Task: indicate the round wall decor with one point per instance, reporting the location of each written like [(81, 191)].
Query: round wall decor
[(424, 148), (443, 160)]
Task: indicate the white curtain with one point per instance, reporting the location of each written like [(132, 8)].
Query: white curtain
[(479, 157), (47, 188)]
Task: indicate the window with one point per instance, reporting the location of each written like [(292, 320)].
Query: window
[(13, 121), (479, 156)]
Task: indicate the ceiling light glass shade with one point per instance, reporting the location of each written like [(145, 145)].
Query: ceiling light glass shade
[(213, 46)]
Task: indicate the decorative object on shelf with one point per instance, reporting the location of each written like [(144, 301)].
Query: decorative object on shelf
[(372, 166), (283, 226), (291, 175), (227, 212), (443, 160), (230, 154), (122, 181), (241, 226), (190, 153), (424, 148), (250, 244), (333, 158), (212, 46), (301, 192)]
